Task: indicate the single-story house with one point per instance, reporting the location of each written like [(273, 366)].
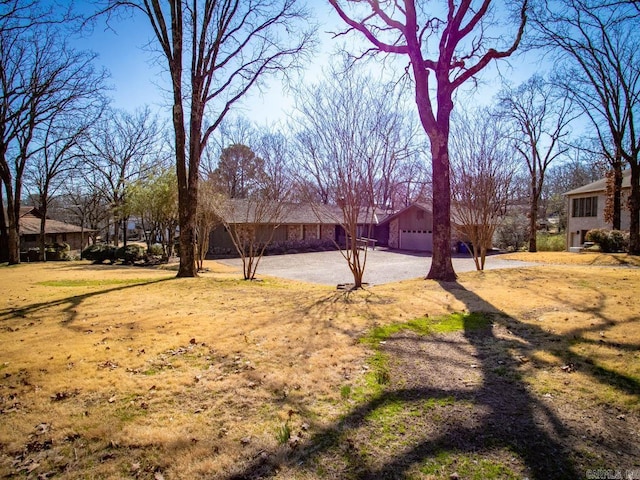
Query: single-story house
[(294, 223), (585, 209), (410, 228), (55, 231)]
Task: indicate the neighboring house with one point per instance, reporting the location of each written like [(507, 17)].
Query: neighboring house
[(585, 208), (55, 231)]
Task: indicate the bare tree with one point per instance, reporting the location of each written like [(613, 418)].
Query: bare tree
[(482, 172), (540, 118), (50, 167), (121, 149), (412, 184), (252, 219), (348, 131), (233, 130), (464, 44), (600, 44), (85, 205), (207, 218), (251, 223), (228, 47), (40, 77), (276, 152)]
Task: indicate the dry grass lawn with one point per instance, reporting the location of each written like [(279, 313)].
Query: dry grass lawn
[(125, 372)]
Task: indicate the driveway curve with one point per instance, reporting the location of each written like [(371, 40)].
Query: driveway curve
[(383, 266)]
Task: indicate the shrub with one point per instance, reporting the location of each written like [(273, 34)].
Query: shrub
[(550, 243), (609, 241), (33, 255), (58, 251), (297, 246), (100, 253), (130, 254), (512, 233), (156, 250)]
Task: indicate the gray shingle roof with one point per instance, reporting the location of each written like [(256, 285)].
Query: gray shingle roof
[(601, 185), (238, 211), (30, 224)]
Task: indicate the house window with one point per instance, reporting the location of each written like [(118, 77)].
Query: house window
[(585, 207), (420, 215)]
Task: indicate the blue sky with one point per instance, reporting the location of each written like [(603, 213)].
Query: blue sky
[(138, 77), (138, 74)]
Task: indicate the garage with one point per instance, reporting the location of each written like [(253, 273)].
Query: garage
[(416, 240), (411, 228)]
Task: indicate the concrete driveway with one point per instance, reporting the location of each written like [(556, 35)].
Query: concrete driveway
[(383, 266)]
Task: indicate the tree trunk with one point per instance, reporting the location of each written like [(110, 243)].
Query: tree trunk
[(616, 219), (13, 227), (356, 266), (533, 217), (533, 227), (187, 206), (14, 244), (125, 230), (188, 197), (634, 210), (441, 265), (42, 255), (4, 241), (81, 236), (116, 232)]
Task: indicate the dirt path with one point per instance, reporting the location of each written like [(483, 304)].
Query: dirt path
[(492, 412)]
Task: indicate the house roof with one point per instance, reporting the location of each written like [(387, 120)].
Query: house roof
[(239, 211), (30, 223), (421, 206), (601, 185)]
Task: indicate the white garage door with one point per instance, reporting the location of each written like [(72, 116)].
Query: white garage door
[(417, 240)]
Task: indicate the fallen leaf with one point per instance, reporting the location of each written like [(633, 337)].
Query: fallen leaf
[(42, 428), (568, 368)]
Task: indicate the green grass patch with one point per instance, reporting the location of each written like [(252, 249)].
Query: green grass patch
[(546, 242), (96, 283), (283, 433), (468, 466), (130, 408), (345, 392), (388, 410), (432, 403), (428, 325)]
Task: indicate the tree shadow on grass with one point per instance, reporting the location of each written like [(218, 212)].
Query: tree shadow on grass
[(70, 304), (496, 414)]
